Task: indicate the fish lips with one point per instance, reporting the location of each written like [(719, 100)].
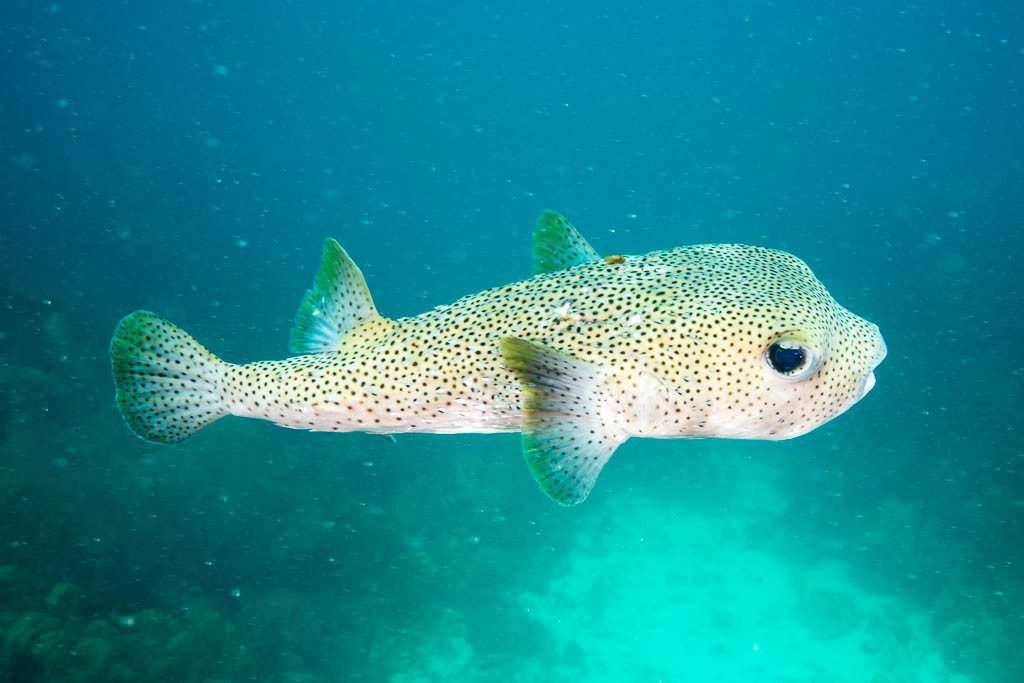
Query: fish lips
[(869, 381), (869, 384)]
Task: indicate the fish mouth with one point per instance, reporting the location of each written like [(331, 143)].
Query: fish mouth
[(869, 384), (883, 351), (880, 354)]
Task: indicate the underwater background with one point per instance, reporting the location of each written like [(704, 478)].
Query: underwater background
[(189, 158)]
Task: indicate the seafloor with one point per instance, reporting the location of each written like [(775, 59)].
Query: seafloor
[(256, 553)]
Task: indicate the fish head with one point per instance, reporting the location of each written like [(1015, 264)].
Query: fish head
[(785, 357)]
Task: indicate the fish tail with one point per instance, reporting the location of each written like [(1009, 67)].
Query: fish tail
[(168, 384)]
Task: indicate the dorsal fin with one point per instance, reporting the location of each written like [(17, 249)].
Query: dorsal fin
[(338, 303), (558, 245), (566, 434)]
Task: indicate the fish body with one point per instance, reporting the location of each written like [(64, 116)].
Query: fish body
[(726, 341)]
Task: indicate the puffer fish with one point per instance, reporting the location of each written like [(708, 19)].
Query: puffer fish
[(715, 340)]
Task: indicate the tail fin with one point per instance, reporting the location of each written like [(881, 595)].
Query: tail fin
[(168, 384)]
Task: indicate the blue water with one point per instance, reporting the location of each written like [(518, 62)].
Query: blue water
[(189, 158)]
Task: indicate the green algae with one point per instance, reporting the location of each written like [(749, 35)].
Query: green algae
[(57, 643)]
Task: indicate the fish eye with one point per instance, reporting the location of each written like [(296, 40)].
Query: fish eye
[(791, 359)]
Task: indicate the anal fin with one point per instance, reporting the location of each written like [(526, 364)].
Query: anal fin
[(566, 436)]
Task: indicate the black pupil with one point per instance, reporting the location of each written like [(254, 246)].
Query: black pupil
[(786, 359)]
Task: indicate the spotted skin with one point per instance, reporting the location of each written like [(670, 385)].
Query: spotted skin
[(670, 344), (689, 327)]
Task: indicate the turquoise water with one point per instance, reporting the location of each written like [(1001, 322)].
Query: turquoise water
[(190, 159)]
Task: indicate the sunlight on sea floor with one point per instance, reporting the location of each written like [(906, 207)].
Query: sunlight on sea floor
[(653, 593)]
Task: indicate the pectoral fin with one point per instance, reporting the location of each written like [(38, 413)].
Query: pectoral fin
[(558, 245), (566, 440), (339, 302)]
